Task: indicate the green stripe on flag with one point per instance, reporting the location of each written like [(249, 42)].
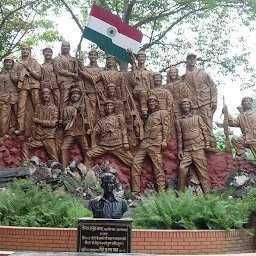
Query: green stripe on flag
[(107, 44)]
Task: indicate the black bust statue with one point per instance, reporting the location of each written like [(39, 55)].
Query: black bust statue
[(108, 206)]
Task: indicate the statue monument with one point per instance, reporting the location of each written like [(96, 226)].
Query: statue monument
[(108, 206), (70, 109)]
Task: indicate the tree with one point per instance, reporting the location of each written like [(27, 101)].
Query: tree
[(24, 20), (173, 27)]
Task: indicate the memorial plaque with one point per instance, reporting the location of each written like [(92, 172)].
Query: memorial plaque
[(104, 235)]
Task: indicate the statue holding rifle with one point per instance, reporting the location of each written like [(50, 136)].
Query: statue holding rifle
[(247, 123), (28, 72), (141, 80), (112, 133), (224, 125), (75, 125), (93, 88)]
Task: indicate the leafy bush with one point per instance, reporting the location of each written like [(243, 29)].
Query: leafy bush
[(24, 204), (167, 211)]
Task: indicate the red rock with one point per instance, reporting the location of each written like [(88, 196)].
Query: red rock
[(220, 164)]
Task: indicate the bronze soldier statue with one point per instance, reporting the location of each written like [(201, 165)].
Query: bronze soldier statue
[(192, 141), (155, 139), (75, 126), (28, 72), (178, 88), (46, 121), (66, 68), (203, 94), (141, 80), (247, 123), (49, 78), (111, 95), (112, 133), (8, 98), (108, 206), (165, 99)]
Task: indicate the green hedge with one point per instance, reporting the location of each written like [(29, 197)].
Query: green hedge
[(167, 211), (24, 204)]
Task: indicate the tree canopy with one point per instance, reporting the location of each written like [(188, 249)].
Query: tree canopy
[(24, 21), (170, 28)]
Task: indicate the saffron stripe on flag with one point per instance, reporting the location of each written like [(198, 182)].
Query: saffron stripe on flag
[(116, 21)]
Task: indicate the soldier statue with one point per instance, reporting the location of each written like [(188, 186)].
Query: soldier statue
[(203, 94), (8, 97), (46, 121), (155, 138), (165, 99), (49, 78), (112, 133), (75, 125), (66, 68), (178, 88), (193, 139), (28, 73), (141, 80), (247, 123)]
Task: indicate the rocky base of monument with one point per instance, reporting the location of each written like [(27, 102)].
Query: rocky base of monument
[(224, 170)]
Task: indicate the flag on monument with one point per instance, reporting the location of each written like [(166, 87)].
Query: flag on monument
[(109, 32)]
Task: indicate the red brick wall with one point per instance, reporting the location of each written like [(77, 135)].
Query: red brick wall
[(143, 241)]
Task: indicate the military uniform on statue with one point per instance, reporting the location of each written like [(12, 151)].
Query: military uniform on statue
[(156, 131), (75, 124), (247, 123), (193, 139), (112, 133), (28, 72), (204, 94), (46, 121)]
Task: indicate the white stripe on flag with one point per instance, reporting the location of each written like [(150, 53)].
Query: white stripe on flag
[(119, 39)]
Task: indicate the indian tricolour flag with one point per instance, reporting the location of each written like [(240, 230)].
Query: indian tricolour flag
[(110, 33)]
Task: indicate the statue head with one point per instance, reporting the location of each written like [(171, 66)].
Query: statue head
[(157, 79), (65, 47), (93, 55), (47, 52), (46, 95), (185, 105), (110, 61), (152, 102), (191, 59), (108, 182), (111, 89), (141, 57), (25, 50), (109, 106), (172, 74), (247, 102), (75, 94), (8, 62)]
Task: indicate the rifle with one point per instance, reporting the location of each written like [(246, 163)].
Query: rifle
[(90, 121), (225, 126), (135, 113)]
